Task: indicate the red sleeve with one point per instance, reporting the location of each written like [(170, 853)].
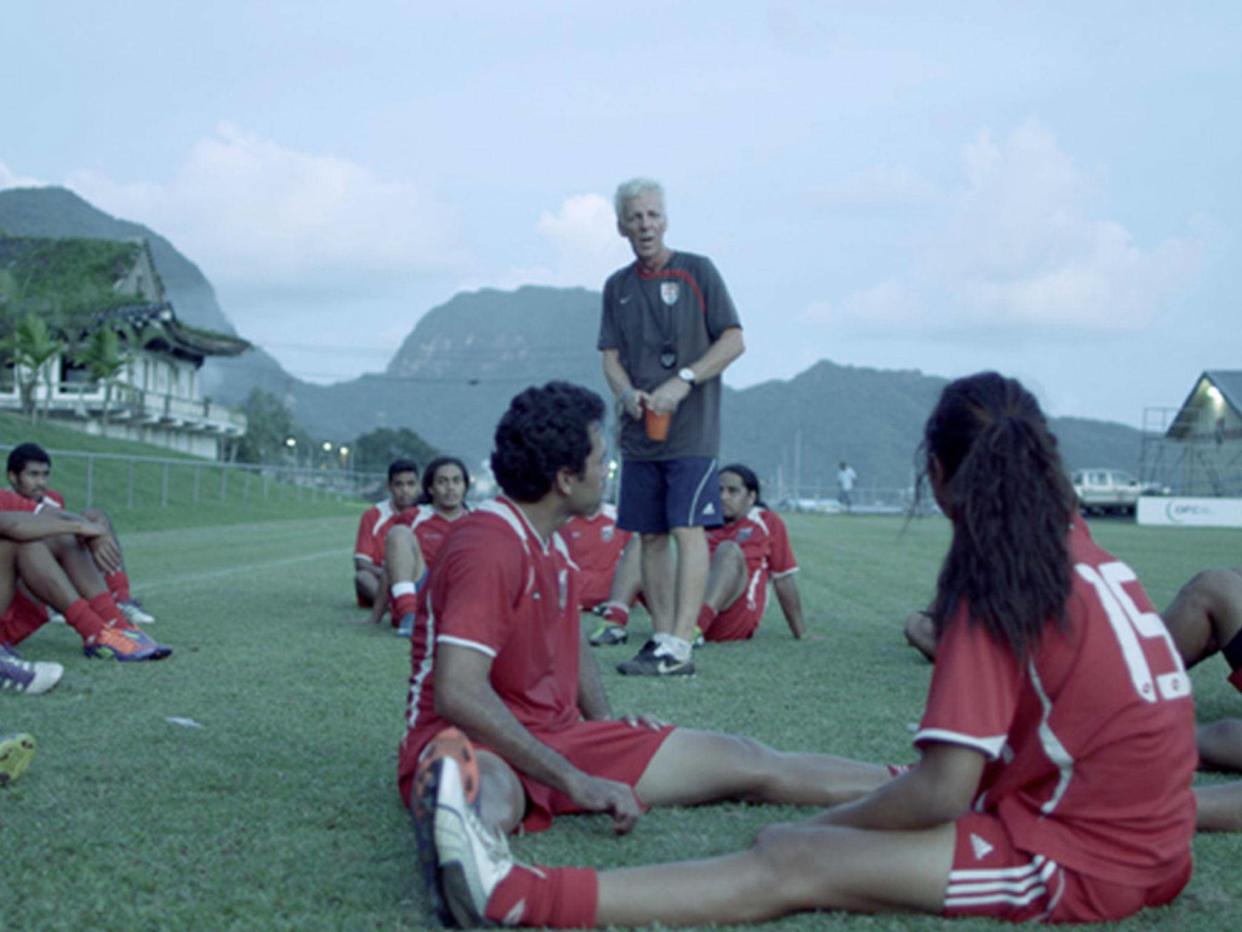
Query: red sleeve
[(364, 543), (475, 587), (781, 560), (11, 501), (974, 690)]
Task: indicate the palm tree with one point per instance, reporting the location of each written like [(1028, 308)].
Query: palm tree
[(106, 354), (32, 346)]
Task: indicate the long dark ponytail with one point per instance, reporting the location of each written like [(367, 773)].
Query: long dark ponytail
[(1003, 484)]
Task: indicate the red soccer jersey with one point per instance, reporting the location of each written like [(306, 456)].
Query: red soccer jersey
[(764, 540), (431, 528), (1090, 742), (375, 523), (498, 589), (11, 501), (595, 544)]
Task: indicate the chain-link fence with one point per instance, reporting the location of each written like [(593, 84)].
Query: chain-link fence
[(115, 480)]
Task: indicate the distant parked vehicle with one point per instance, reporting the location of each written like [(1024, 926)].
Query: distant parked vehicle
[(1111, 491)]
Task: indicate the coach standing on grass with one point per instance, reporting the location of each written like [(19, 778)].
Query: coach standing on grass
[(669, 329)]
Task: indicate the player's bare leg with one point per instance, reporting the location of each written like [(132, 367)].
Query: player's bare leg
[(921, 634), (1219, 808), (790, 868), (59, 572), (726, 578), (403, 568), (366, 585), (700, 766), (692, 564), (379, 598), (659, 580), (1206, 614)]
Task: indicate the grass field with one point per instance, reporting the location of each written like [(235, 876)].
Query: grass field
[(278, 808)]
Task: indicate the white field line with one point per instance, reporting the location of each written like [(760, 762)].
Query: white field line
[(189, 579)]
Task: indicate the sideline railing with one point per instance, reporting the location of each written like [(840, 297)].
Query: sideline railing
[(132, 481)]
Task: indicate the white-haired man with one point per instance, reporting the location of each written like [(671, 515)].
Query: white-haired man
[(668, 331)]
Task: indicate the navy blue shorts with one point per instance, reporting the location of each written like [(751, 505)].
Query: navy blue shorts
[(663, 494)]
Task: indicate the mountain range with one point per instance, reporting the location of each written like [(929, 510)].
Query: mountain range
[(452, 376)]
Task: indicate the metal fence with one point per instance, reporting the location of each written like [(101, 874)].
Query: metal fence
[(117, 480)]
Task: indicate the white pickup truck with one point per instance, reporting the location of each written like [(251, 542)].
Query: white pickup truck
[(1110, 491)]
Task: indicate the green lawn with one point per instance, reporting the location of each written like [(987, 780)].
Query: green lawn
[(280, 810)]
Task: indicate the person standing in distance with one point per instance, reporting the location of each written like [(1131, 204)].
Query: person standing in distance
[(668, 330)]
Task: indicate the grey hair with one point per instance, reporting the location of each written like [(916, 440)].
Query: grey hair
[(635, 187)]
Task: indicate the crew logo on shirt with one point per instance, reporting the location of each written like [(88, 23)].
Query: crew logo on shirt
[(607, 533), (744, 534), (980, 846), (670, 292)]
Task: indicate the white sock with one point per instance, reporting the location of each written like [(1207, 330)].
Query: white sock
[(679, 648)]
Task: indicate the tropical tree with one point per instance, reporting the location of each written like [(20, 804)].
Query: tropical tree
[(105, 355), (31, 345)]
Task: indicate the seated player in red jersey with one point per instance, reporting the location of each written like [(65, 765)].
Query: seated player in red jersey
[(595, 544), (1057, 744), (748, 549), (1204, 618), (29, 470), (410, 548), (60, 567), (498, 653), (399, 506)]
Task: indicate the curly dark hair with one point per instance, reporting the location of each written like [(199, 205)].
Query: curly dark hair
[(545, 430), (25, 453), (1007, 494)]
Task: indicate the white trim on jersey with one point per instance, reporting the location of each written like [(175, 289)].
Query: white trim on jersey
[(1015, 886), (364, 557), (991, 746), (1051, 744), (783, 573), (463, 642), (425, 666)]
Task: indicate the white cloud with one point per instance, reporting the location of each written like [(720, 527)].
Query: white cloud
[(1016, 248), (9, 179), (252, 210), (586, 247), (883, 186)]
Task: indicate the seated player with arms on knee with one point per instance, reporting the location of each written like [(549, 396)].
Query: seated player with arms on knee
[(29, 471), (1205, 618), (410, 548), (750, 546), (373, 527), (498, 653), (595, 545), (61, 568), (1057, 745)]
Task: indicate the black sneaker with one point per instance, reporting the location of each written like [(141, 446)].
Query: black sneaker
[(656, 660)]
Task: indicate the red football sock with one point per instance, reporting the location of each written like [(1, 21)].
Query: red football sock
[(707, 616), (118, 585), (404, 600), (618, 613), (1236, 679), (560, 897), (104, 606), (81, 617)]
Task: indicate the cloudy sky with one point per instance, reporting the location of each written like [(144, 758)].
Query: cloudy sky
[(1053, 189)]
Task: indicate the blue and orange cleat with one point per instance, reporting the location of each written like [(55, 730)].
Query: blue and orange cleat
[(125, 645)]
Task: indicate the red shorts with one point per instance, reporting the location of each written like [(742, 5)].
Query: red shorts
[(990, 877), (22, 618), (610, 749), (740, 620), (594, 587)]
